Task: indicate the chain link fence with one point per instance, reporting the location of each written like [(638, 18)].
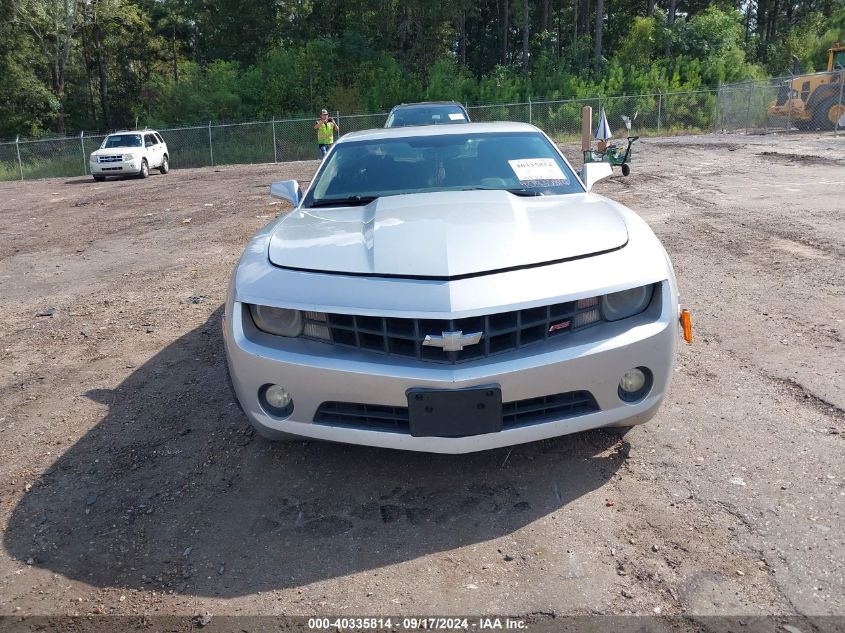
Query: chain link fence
[(780, 104), (805, 102)]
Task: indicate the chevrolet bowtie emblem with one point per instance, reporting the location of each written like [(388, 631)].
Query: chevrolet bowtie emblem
[(452, 341)]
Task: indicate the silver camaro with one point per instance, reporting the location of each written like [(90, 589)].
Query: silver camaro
[(450, 289)]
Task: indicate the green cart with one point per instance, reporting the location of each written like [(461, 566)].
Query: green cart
[(614, 154)]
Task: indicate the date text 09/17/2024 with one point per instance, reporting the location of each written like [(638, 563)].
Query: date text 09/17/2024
[(417, 623)]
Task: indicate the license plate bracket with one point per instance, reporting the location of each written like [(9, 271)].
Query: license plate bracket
[(454, 412)]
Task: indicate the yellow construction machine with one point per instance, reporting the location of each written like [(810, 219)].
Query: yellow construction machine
[(814, 101)]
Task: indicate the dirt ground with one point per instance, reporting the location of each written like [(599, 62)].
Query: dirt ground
[(130, 483)]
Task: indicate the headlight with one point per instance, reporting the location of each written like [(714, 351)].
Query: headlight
[(129, 157), (621, 305), (92, 158), (279, 321)]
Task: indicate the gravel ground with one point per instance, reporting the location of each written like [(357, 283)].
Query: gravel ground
[(131, 484)]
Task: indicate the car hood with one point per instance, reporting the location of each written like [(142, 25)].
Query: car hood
[(447, 234), (116, 150)]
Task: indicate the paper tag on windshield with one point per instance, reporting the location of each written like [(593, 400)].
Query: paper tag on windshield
[(538, 172), (456, 116)]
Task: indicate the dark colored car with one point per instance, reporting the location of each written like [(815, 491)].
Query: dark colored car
[(427, 113)]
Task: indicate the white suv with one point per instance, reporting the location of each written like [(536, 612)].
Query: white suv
[(130, 153)]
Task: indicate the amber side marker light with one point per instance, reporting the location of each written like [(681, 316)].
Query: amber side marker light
[(686, 325)]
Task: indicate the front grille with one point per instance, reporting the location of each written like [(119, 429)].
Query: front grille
[(110, 159), (503, 332), (369, 416), (519, 413), (545, 408)]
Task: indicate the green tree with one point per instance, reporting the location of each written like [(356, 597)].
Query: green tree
[(53, 25), (107, 23)]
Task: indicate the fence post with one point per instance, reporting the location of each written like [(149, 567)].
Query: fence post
[(530, 112), (337, 121), (82, 145), (748, 109), (18, 148), (789, 108), (839, 110), (275, 157), (716, 108), (659, 109), (210, 145)]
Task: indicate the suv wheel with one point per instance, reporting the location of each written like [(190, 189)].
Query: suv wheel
[(145, 169), (165, 166)]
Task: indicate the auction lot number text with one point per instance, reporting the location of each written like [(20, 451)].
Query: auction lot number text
[(414, 624)]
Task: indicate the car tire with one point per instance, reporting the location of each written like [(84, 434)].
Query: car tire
[(279, 436), (165, 165), (145, 169), (617, 431), (99, 178)]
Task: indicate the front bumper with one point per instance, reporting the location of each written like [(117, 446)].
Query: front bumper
[(592, 360), (115, 168)]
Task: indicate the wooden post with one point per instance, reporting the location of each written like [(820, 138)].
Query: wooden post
[(586, 127)]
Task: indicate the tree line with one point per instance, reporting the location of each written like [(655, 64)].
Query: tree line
[(67, 65)]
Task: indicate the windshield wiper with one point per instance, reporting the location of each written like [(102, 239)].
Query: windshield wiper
[(517, 192), (351, 201)]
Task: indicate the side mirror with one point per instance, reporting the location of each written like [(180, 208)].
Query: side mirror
[(287, 190), (591, 173)]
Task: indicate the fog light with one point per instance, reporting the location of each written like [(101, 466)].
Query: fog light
[(633, 380), (276, 400), (635, 384), (279, 398)]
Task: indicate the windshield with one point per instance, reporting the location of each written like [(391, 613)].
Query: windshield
[(524, 163), (426, 115), (122, 140)]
